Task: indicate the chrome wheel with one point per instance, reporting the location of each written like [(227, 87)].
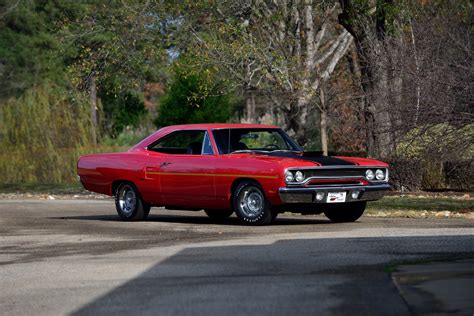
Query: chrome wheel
[(252, 202), (129, 204), (127, 200)]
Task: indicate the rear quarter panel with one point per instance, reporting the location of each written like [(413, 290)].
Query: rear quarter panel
[(97, 172)]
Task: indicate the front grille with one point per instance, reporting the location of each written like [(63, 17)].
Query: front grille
[(334, 173), (319, 176), (316, 183)]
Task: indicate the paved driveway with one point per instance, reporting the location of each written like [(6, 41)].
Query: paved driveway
[(59, 257)]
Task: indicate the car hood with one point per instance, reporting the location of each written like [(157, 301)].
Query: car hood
[(309, 159)]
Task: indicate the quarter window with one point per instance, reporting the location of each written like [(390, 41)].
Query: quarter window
[(207, 146)]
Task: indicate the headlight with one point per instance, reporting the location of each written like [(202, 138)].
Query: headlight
[(299, 176), (379, 174), (289, 176), (369, 174)]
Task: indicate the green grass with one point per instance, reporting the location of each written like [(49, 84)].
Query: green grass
[(409, 203), (42, 188), (394, 267)]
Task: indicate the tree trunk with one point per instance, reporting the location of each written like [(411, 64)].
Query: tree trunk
[(323, 121), (324, 131), (368, 36), (396, 58), (417, 68), (250, 110), (300, 119), (295, 120), (379, 92), (376, 86), (356, 76), (299, 110), (93, 108), (368, 106)]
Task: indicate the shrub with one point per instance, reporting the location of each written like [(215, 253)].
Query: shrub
[(459, 174), (405, 175), (121, 111), (128, 137), (42, 133), (416, 174), (443, 141)]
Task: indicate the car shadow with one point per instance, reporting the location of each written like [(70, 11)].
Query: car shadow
[(286, 277), (196, 219)]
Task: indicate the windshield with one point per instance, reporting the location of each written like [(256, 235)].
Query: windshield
[(253, 139)]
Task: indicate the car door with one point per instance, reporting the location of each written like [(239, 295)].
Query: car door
[(186, 170), (149, 186)]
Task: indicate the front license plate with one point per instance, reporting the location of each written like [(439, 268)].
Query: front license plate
[(336, 197)]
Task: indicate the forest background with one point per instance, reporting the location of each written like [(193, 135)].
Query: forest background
[(386, 79)]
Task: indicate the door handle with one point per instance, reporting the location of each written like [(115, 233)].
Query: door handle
[(152, 169)]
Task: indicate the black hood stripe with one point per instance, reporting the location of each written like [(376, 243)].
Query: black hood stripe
[(327, 161), (314, 157)]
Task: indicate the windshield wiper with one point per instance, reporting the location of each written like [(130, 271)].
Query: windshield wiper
[(286, 150), (241, 151)]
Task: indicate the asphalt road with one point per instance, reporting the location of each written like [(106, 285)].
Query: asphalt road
[(75, 257)]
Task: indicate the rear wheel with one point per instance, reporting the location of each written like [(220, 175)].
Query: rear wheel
[(128, 203), (219, 215), (347, 212), (250, 204)]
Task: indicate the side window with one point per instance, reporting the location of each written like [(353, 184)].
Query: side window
[(180, 143), (207, 146)]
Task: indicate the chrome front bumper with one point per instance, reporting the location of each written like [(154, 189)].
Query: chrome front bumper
[(308, 195)]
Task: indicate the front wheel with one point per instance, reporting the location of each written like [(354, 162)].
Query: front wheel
[(347, 212), (250, 204), (129, 205)]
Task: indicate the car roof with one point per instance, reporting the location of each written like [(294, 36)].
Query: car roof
[(172, 128), (219, 125)]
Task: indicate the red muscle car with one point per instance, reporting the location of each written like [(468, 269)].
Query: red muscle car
[(256, 171)]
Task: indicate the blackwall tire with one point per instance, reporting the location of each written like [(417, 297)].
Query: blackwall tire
[(128, 203), (345, 213), (146, 210), (219, 215), (250, 204)]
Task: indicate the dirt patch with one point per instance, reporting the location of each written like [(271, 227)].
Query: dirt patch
[(53, 196)]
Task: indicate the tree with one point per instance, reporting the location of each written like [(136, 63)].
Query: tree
[(30, 51), (416, 70), (114, 50), (281, 49), (121, 110), (439, 63), (194, 98), (369, 22)]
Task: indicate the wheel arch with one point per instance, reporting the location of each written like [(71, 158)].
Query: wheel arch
[(116, 184), (236, 183)]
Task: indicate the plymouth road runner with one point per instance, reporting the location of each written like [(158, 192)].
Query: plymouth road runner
[(256, 171)]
